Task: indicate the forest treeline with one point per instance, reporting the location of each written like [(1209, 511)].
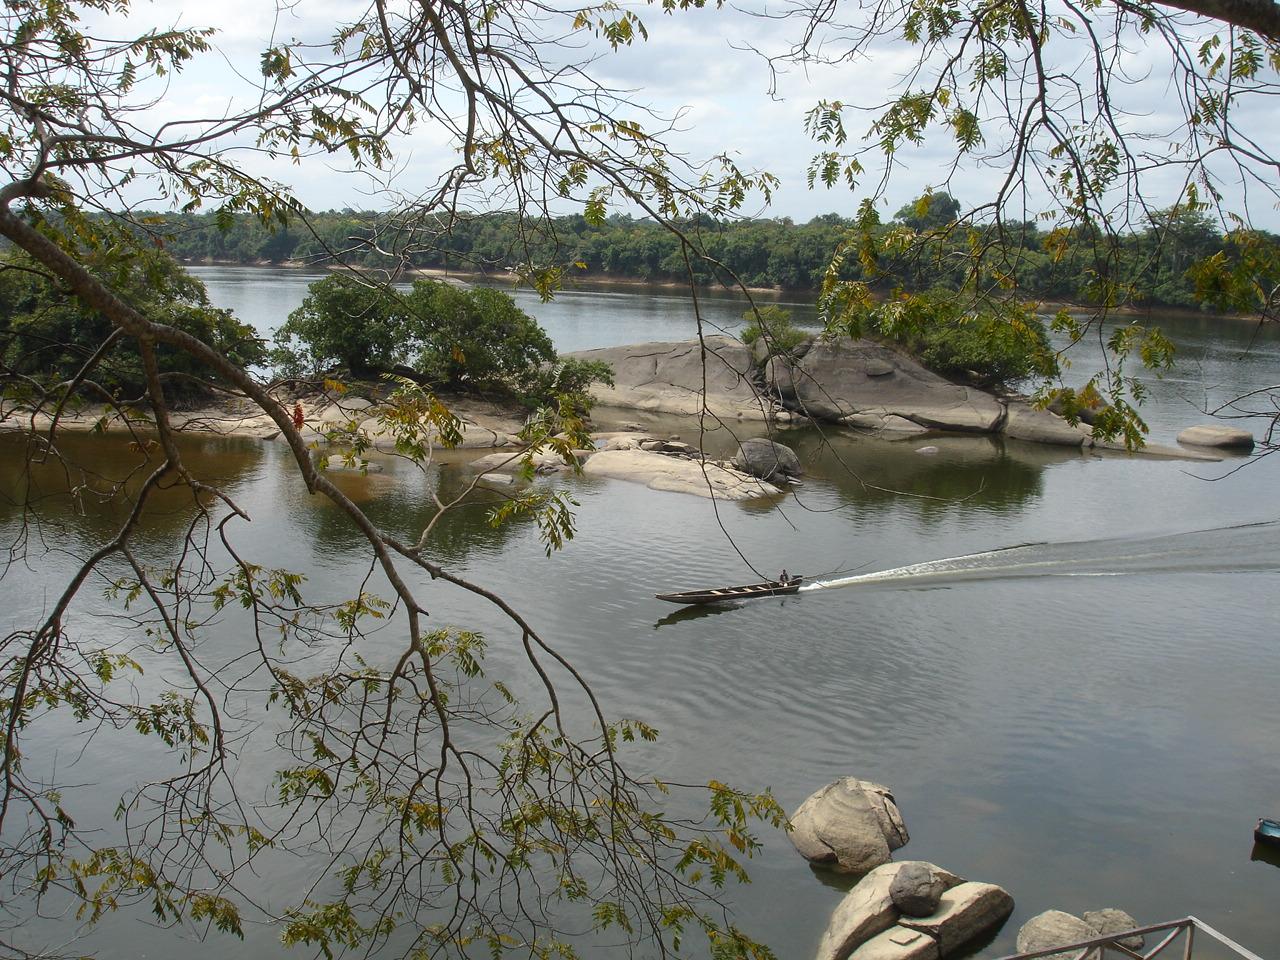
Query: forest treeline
[(1148, 266)]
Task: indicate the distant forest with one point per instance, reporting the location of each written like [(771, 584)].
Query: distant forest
[(1149, 265)]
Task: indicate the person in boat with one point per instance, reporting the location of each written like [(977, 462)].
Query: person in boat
[(783, 578)]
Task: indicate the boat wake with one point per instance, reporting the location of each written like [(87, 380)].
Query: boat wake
[(1249, 548)]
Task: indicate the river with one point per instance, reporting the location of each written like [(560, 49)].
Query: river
[(1088, 720)]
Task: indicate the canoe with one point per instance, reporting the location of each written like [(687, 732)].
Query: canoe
[(1267, 831), (769, 588)]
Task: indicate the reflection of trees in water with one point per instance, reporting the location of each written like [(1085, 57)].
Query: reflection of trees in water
[(401, 502), (985, 472), (92, 488)]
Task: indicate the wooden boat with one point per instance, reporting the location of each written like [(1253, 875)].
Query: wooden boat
[(769, 588), (1267, 831)]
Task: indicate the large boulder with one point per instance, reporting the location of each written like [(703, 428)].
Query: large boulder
[(869, 925), (1110, 920), (673, 378), (1218, 436), (1054, 928), (767, 460), (850, 826), (836, 379), (964, 912)]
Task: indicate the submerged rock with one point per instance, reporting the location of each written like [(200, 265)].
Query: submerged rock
[(659, 471), (1218, 436)]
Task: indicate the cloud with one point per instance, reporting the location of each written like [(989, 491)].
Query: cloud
[(706, 70)]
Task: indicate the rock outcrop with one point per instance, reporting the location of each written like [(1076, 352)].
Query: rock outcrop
[(850, 826), (670, 377), (857, 383), (841, 378), (868, 924)]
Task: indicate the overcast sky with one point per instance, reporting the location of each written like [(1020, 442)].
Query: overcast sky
[(695, 67)]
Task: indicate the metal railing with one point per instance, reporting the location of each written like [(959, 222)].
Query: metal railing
[(1096, 948)]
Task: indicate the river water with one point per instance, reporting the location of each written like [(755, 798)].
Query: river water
[(1088, 719)]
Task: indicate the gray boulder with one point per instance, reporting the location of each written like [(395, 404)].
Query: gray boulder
[(1054, 928), (672, 378), (1110, 920), (916, 889), (835, 379), (767, 460), (1215, 435), (850, 826), (868, 909), (1025, 422), (964, 912)]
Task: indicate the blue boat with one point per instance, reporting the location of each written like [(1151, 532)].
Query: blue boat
[(1267, 831)]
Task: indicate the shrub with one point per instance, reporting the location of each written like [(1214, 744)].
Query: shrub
[(345, 321), (774, 324), (993, 344)]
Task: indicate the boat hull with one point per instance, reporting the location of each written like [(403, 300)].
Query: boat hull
[(1267, 831), (769, 588)]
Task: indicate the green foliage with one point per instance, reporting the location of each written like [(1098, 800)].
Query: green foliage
[(996, 345), (1148, 265), (48, 333), (345, 320), (475, 338), (773, 323), (1243, 276)]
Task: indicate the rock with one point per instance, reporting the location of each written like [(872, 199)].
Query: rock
[(837, 378), (1110, 920), (916, 889), (878, 368), (898, 943), (868, 909), (965, 911), (1025, 422), (1214, 435), (883, 423), (851, 826), (669, 377), (767, 460), (659, 471), (630, 428), (929, 451), (1053, 928), (865, 911)]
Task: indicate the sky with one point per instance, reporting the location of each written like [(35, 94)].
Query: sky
[(704, 68)]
